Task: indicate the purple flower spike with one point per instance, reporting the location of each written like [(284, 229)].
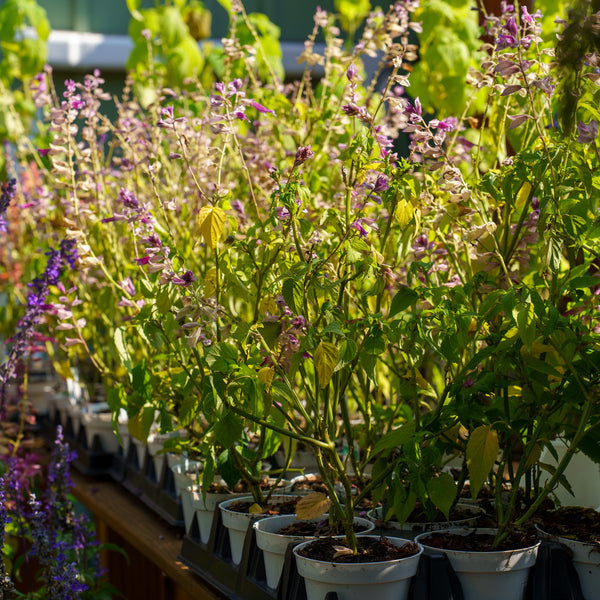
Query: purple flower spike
[(260, 108), (587, 133), (302, 155), (184, 280), (351, 72)]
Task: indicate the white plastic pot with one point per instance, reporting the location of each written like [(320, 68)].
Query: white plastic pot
[(185, 473), (274, 545), (237, 523), (496, 575), (99, 424), (389, 580), (194, 504), (586, 560), (582, 474)]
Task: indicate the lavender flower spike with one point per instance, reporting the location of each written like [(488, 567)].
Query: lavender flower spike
[(302, 155)]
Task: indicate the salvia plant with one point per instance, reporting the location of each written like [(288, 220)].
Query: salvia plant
[(261, 264), (49, 549)]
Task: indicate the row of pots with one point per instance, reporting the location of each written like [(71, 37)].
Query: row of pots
[(510, 568), (96, 422)]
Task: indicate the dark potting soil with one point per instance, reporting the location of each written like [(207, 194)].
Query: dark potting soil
[(314, 529), (369, 550), (279, 507), (480, 542), (239, 488), (572, 522), (419, 516)]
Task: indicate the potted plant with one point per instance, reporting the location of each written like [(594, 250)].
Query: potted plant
[(272, 272), (511, 327)]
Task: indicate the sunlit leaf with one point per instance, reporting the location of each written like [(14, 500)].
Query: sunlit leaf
[(482, 451), (312, 506), (325, 357), (212, 223)]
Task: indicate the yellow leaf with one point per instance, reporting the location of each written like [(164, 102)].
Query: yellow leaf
[(268, 305), (404, 213), (312, 506), (523, 194), (325, 357), (212, 223), (256, 509), (265, 375), (482, 451), (534, 456)]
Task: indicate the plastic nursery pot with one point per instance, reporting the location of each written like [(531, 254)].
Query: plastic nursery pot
[(99, 423), (155, 445), (237, 523), (473, 512), (585, 557), (203, 508), (274, 545), (386, 580), (493, 575), (185, 473)]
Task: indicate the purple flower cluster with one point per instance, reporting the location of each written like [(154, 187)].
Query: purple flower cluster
[(7, 588), (36, 306), (59, 539)]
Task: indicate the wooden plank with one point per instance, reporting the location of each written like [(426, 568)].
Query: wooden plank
[(146, 532)]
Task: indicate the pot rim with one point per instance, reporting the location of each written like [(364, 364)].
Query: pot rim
[(466, 531), (359, 564), (257, 524)]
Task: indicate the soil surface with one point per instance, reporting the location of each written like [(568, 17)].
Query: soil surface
[(418, 516), (369, 550), (572, 522), (285, 507), (480, 542), (240, 487), (314, 529)]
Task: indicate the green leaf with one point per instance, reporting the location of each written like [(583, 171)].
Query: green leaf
[(404, 504), (394, 439), (550, 252), (325, 359), (291, 290), (188, 410), (140, 423), (482, 451), (222, 357), (590, 444), (165, 298), (226, 468), (525, 317), (122, 350), (404, 298), (133, 7), (228, 429), (208, 473), (348, 349), (442, 491), (584, 283)]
